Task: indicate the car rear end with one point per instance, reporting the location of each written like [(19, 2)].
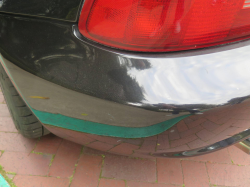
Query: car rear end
[(139, 78)]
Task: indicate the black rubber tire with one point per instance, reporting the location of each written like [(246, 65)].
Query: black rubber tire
[(25, 121)]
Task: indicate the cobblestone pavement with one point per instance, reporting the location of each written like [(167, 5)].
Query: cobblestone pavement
[(55, 162)]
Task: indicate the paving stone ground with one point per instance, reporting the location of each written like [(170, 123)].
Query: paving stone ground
[(54, 162)]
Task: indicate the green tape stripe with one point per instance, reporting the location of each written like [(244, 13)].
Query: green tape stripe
[(3, 182), (79, 125), (66, 122)]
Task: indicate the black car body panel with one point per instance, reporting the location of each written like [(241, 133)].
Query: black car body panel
[(56, 9), (170, 104)]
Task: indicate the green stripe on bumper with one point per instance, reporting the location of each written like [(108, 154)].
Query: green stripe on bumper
[(66, 122)]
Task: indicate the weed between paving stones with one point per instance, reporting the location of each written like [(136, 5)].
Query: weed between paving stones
[(4, 174), (52, 159)]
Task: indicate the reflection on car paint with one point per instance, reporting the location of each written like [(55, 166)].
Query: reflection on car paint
[(209, 88)]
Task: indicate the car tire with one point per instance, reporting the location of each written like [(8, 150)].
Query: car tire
[(25, 121)]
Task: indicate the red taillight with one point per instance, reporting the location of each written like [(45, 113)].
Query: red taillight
[(165, 25)]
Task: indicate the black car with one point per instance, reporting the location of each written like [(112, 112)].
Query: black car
[(143, 78)]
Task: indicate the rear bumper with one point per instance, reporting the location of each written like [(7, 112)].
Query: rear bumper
[(178, 104), (188, 135)]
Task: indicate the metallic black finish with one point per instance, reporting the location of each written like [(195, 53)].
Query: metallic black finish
[(56, 9), (165, 82), (51, 51), (214, 83)]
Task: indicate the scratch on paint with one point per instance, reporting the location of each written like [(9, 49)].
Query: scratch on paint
[(111, 116)]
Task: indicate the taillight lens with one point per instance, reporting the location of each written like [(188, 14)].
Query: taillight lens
[(165, 25)]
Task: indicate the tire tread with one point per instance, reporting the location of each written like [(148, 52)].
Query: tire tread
[(25, 121)]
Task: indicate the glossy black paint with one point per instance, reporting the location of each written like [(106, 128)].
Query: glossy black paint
[(51, 51), (57, 52), (189, 82), (56, 9)]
